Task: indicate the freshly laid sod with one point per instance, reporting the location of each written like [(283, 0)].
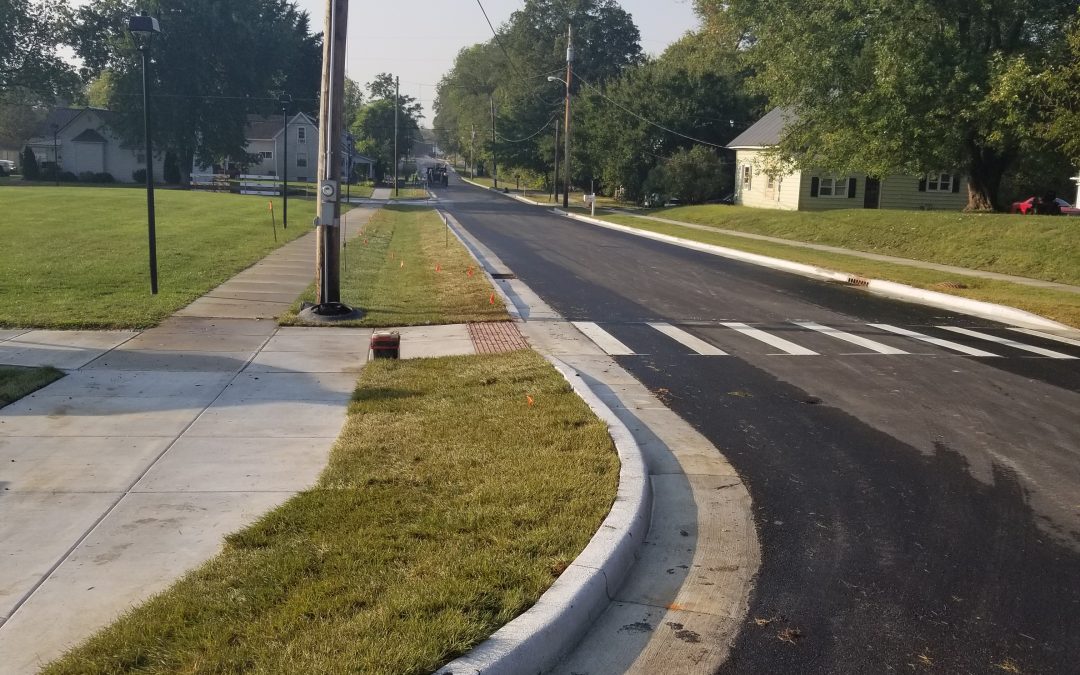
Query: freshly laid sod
[(1028, 246), (1058, 305), (16, 381), (77, 257), (406, 269), (449, 505)]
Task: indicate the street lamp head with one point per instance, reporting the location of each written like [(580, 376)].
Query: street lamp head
[(552, 78), (143, 27)]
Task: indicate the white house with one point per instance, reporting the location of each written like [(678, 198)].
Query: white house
[(80, 140), (266, 145), (820, 190)]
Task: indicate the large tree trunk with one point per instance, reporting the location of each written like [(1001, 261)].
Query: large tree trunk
[(985, 171)]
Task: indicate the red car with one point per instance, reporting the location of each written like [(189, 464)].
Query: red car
[(1027, 207)]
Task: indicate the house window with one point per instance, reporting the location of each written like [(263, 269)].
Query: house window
[(939, 182), (301, 135), (747, 177), (301, 161), (771, 184), (833, 187), (266, 154)]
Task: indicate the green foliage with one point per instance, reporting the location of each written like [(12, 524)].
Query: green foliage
[(31, 33), (883, 87), (30, 168), (20, 117), (606, 43), (208, 59), (374, 124), (695, 175), (1062, 87), (171, 169)]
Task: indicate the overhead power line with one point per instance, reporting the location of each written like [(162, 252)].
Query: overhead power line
[(528, 138), (645, 119)]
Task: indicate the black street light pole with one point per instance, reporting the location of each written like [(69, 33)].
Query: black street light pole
[(144, 28), (285, 100), (55, 155)]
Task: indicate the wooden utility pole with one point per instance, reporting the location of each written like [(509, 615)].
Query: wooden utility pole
[(566, 128), (555, 179), (331, 125)]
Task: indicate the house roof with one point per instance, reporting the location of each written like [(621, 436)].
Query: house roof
[(89, 136), (268, 127), (766, 132)]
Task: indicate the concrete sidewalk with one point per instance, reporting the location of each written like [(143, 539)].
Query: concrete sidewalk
[(130, 470)]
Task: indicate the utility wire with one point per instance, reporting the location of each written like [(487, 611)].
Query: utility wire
[(527, 138), (645, 119), (499, 41)]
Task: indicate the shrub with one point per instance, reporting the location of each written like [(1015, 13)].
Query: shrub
[(172, 168), (104, 177), (30, 168), (68, 177), (87, 177), (139, 175)]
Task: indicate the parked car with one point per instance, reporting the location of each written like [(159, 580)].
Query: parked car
[(1028, 207), (7, 165)]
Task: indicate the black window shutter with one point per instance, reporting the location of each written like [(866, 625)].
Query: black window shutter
[(922, 184), (815, 185), (956, 183), (852, 187)]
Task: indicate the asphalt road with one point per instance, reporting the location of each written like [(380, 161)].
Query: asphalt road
[(918, 511)]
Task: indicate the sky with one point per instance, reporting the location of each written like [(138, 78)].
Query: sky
[(418, 40)]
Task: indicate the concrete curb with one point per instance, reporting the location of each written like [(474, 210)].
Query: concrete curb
[(536, 640), (889, 289), (511, 195)]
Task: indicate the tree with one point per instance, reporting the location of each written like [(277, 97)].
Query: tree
[(28, 41), (354, 100), (883, 87), (1061, 86), (695, 175), (19, 120), (30, 169), (374, 125), (213, 65)]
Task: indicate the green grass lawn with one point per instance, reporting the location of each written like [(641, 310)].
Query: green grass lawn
[(77, 257), (1061, 306), (409, 193), (16, 381), (448, 507), (1037, 247), (389, 271)]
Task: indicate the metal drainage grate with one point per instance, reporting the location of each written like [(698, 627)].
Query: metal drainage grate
[(504, 275)]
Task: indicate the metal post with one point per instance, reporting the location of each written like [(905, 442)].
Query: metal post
[(151, 225), (569, 79), (494, 157), (472, 152), (397, 104), (285, 164), (56, 151)]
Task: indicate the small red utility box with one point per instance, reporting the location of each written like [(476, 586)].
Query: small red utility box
[(386, 345)]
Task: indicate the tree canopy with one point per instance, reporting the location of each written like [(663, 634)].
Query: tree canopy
[(213, 65), (373, 126), (29, 63), (883, 87)]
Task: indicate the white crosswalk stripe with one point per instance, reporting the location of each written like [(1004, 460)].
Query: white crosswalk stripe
[(603, 339), (947, 344), (780, 343), (1047, 336), (1005, 341), (872, 345), (696, 344)]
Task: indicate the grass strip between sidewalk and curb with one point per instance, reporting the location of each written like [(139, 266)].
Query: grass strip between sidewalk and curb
[(458, 491), (407, 269), (17, 381), (76, 257), (409, 193), (1061, 306)]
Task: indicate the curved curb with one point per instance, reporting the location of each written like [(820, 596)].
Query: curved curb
[(889, 289), (511, 195), (536, 640)]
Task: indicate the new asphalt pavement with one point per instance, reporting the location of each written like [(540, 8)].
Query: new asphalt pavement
[(915, 474)]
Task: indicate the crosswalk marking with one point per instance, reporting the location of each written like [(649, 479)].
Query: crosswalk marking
[(780, 343), (1006, 341), (1047, 336), (698, 345), (873, 346), (603, 339), (955, 346)]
